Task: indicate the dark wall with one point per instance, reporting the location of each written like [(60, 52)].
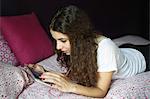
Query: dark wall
[(113, 17)]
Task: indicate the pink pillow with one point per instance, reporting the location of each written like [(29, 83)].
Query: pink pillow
[(6, 55), (26, 37)]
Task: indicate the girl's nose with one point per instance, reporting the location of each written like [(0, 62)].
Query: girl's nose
[(59, 46)]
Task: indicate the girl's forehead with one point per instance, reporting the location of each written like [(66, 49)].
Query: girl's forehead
[(58, 35)]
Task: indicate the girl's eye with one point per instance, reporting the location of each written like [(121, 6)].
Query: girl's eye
[(63, 41)]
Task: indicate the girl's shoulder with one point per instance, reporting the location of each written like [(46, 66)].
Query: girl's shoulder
[(99, 38), (105, 42)]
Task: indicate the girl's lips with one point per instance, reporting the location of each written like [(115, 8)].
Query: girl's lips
[(66, 52)]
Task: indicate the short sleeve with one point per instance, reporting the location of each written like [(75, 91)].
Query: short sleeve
[(107, 56)]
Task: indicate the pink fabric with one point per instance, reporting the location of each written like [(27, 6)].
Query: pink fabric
[(40, 91), (13, 80), (135, 87), (6, 54), (20, 85), (26, 37)]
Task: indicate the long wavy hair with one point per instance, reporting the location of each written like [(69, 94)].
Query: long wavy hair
[(82, 62)]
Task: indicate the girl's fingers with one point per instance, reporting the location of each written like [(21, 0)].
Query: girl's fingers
[(33, 66), (36, 67), (54, 81), (57, 78), (30, 65), (52, 74), (59, 82), (49, 80)]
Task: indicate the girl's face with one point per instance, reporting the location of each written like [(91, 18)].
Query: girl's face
[(62, 42)]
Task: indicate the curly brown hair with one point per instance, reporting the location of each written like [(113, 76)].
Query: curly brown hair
[(82, 62)]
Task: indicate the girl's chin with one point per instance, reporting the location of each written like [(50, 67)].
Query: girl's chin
[(67, 53)]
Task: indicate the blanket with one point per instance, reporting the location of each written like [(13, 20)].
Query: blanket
[(19, 83)]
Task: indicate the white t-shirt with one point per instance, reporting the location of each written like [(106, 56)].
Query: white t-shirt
[(125, 62)]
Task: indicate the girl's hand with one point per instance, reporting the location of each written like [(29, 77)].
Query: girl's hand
[(59, 81), (36, 67)]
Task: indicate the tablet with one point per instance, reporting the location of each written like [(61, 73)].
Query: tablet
[(36, 76)]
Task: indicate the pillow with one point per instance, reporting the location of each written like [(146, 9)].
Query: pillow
[(26, 37), (6, 55), (131, 39)]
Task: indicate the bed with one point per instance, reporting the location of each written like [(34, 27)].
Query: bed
[(23, 41)]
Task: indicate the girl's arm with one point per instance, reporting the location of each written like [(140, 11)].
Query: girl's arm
[(64, 84), (103, 84)]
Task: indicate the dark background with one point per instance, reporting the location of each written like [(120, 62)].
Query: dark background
[(112, 17)]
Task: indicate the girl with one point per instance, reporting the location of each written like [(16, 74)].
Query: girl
[(92, 60)]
